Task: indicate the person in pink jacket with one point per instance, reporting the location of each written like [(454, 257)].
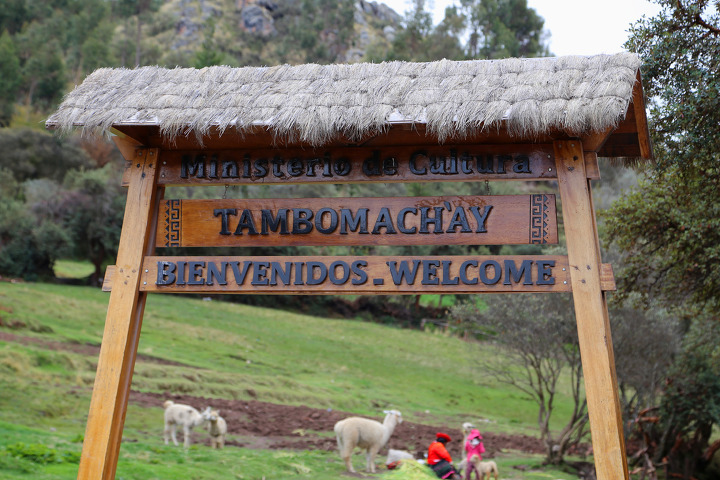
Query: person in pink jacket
[(473, 447)]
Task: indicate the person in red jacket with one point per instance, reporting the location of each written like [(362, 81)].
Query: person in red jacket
[(439, 458)]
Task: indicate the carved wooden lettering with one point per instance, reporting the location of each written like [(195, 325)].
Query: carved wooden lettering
[(356, 164), (356, 274), (450, 220)]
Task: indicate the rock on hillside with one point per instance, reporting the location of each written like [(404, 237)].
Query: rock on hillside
[(251, 32), (256, 16)]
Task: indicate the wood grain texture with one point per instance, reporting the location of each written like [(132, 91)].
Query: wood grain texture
[(594, 141), (638, 103), (420, 163), (388, 275), (357, 164), (396, 134), (377, 267), (123, 322), (591, 313), (447, 220)]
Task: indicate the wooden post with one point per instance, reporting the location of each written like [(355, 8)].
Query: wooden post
[(123, 321), (591, 313)]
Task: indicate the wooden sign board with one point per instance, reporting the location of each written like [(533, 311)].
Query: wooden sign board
[(447, 220), (375, 221), (358, 275), (357, 164)]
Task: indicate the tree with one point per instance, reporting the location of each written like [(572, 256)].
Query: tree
[(669, 227), (645, 343), (12, 15), (503, 28), (691, 404), (140, 9), (444, 42), (43, 66), (30, 242), (10, 79), (208, 55), (32, 154), (410, 43), (92, 211), (539, 343)]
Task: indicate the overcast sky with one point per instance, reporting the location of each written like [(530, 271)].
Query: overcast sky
[(577, 27)]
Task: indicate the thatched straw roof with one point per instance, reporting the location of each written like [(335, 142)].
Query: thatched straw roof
[(316, 103)]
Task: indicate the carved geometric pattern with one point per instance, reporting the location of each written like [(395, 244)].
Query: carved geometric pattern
[(539, 222), (173, 220)]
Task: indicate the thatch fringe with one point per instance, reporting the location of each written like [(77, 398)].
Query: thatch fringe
[(316, 103)]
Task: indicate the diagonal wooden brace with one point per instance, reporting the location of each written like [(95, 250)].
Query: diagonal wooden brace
[(123, 322), (591, 313)]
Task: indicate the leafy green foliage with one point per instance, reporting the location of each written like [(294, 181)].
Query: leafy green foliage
[(503, 28), (42, 219), (693, 394), (92, 211), (10, 79), (208, 55), (669, 227), (12, 15), (31, 154), (28, 245)]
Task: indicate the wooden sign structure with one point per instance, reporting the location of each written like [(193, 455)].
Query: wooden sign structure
[(400, 150)]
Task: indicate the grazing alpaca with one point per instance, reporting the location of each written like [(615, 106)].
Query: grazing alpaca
[(217, 428), (484, 468), (185, 416), (369, 435), (467, 427)]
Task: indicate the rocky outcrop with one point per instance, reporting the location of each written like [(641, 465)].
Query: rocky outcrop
[(365, 31), (193, 14), (380, 11), (179, 28), (256, 16)]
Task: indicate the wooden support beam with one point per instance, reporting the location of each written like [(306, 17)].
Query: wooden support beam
[(123, 322), (591, 313), (594, 141), (638, 102)]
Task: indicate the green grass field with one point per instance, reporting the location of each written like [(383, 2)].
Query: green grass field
[(225, 350)]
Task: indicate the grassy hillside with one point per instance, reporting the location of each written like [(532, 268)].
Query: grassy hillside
[(227, 351)]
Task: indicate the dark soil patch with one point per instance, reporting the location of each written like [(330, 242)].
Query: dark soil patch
[(254, 424)]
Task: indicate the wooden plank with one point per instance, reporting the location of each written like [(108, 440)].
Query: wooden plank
[(389, 275), (591, 313), (607, 280), (279, 166), (594, 141), (619, 150), (127, 147), (107, 279), (396, 134), (638, 102), (123, 322), (592, 169), (447, 220)]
